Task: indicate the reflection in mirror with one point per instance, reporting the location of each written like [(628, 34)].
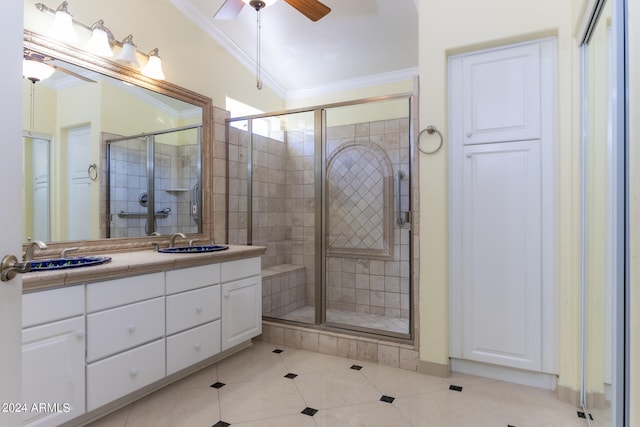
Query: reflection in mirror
[(154, 183), (599, 212), (94, 143)]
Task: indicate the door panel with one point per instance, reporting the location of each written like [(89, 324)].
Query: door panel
[(79, 142), (502, 95), (502, 254)]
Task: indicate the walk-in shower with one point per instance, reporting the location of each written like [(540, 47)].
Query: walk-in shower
[(327, 191), (154, 182)]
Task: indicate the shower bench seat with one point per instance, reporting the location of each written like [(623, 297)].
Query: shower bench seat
[(283, 289)]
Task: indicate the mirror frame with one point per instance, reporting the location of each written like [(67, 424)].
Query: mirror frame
[(49, 47)]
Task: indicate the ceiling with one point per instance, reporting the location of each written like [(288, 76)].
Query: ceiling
[(359, 43)]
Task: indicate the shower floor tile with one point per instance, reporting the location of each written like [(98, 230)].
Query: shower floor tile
[(306, 314)]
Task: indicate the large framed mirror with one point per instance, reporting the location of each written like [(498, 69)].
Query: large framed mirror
[(112, 158)]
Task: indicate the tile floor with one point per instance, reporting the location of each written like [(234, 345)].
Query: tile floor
[(297, 388), (306, 314)]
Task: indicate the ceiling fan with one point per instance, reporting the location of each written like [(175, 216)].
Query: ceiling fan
[(45, 64), (312, 9)]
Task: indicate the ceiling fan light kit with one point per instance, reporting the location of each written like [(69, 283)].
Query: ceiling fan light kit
[(101, 41), (34, 69)]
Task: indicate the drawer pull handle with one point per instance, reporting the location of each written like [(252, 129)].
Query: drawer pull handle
[(199, 309), (133, 372), (131, 328), (197, 347)]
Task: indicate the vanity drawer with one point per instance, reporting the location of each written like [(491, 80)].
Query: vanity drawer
[(186, 279), (234, 270), (192, 308), (192, 346), (112, 378), (113, 293), (48, 306), (118, 329)]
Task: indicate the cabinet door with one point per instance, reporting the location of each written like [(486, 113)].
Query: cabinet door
[(53, 376), (241, 311), (501, 259), (502, 95)]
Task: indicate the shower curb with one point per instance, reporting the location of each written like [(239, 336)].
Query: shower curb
[(379, 351)]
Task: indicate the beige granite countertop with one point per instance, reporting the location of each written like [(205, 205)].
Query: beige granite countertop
[(126, 264)]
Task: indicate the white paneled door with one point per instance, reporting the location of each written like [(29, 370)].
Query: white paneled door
[(502, 275), (79, 146), (11, 216), (502, 195)]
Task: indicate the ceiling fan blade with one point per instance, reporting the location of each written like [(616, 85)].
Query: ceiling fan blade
[(71, 73), (229, 9), (312, 9)]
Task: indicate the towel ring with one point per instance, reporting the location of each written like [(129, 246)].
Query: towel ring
[(93, 172), (431, 129)]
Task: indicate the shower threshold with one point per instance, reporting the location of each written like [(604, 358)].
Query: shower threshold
[(306, 314)]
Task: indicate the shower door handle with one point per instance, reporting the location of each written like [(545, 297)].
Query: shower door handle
[(400, 217)]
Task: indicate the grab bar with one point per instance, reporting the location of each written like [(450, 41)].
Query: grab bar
[(400, 218), (160, 214)]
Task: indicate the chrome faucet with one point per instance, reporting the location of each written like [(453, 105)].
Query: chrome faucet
[(172, 239), (65, 251), (28, 254)]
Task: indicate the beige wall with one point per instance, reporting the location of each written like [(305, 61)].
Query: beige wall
[(453, 27)]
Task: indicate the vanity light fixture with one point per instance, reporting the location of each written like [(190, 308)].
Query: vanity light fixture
[(153, 68), (100, 42), (62, 27), (128, 53)]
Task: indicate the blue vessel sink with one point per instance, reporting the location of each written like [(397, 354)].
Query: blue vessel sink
[(60, 263), (193, 249)]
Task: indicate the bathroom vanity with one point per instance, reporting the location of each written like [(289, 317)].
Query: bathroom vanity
[(97, 338)]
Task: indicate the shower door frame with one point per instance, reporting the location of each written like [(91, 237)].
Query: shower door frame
[(320, 158), (150, 141)]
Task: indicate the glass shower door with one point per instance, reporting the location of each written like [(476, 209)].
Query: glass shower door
[(366, 217), (283, 213)]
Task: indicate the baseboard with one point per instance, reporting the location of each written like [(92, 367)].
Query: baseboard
[(568, 395), (434, 369), (502, 373)]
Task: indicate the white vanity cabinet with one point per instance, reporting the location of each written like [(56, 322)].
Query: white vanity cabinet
[(53, 346), (125, 336), (193, 315), (241, 301), (86, 346)]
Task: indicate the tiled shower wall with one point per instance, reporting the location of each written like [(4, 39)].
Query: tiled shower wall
[(175, 175), (284, 214), (366, 285)]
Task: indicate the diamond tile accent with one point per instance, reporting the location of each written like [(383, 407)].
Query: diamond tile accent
[(309, 411), (356, 193), (277, 351), (455, 388), (290, 376), (221, 424), (387, 399), (217, 385), (356, 367)]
